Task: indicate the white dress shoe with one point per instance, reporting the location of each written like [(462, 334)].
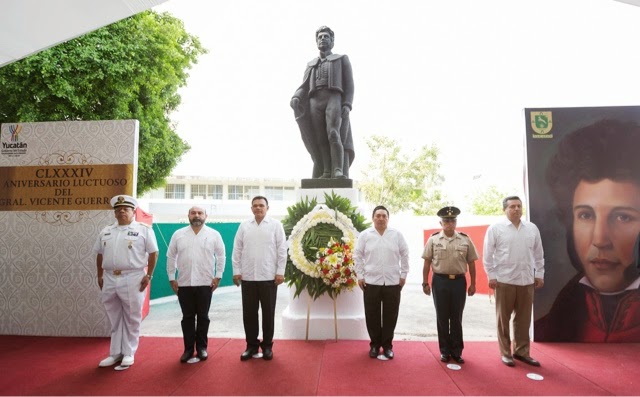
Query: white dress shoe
[(111, 360), (127, 361)]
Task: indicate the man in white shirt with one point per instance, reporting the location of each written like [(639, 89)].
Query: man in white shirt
[(259, 259), (197, 252), (514, 263), (382, 265)]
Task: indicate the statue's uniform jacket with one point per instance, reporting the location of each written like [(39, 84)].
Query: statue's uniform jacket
[(340, 78)]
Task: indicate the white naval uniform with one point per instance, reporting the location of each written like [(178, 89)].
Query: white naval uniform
[(124, 248)]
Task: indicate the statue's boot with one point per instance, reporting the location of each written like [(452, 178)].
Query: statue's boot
[(337, 174), (337, 157)]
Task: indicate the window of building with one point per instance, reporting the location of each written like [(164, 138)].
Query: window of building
[(288, 194), (216, 192), (241, 192), (279, 193), (174, 191), (209, 192)]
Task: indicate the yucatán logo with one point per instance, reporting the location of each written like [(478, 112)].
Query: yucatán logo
[(14, 146)]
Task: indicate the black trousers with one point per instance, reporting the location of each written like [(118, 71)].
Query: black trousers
[(195, 303), (449, 297), (256, 295), (381, 305)]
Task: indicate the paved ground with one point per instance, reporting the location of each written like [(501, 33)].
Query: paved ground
[(416, 320)]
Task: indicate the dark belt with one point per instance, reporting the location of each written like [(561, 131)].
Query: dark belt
[(449, 276)]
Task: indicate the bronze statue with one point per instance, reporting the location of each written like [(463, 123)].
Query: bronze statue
[(321, 106)]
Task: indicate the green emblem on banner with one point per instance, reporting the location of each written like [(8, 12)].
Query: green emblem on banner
[(541, 122)]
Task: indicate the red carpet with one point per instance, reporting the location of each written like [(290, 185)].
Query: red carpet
[(68, 366)]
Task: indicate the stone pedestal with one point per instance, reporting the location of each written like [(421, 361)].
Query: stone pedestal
[(318, 194), (350, 317), (326, 183), (349, 304)]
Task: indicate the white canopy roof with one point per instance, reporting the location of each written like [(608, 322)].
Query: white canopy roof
[(30, 26), (632, 2)]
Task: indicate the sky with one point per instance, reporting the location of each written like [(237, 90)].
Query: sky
[(455, 74)]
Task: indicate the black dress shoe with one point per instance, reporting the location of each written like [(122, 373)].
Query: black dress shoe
[(373, 353), (508, 361), (186, 356), (444, 358), (458, 359), (388, 353), (527, 360), (202, 354), (267, 354), (248, 354)]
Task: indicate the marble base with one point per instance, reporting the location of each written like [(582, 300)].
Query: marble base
[(350, 317)]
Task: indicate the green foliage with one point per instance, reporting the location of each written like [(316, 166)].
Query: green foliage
[(400, 181), (131, 69), (343, 204), (317, 237), (488, 201)]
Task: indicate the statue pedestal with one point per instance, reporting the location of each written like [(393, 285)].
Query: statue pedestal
[(326, 183), (318, 194), (350, 317)]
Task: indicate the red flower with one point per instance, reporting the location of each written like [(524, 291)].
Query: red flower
[(329, 251)]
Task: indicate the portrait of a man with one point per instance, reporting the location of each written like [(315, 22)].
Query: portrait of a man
[(593, 181)]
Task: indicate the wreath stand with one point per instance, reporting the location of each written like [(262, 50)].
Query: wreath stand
[(335, 318)]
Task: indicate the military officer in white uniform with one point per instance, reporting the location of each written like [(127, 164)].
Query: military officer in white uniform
[(449, 253), (123, 251)]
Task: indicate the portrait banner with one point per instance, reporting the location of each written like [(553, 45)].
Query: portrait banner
[(583, 174)]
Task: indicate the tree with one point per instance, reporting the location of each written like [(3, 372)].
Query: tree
[(400, 181), (131, 69), (488, 201)]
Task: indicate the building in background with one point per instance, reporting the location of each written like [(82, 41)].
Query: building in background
[(225, 199)]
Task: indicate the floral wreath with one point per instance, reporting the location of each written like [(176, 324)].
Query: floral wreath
[(320, 214), (321, 238)]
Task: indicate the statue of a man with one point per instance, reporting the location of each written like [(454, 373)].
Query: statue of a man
[(321, 106)]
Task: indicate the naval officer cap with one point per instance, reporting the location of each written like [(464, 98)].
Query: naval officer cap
[(449, 212), (124, 201)]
